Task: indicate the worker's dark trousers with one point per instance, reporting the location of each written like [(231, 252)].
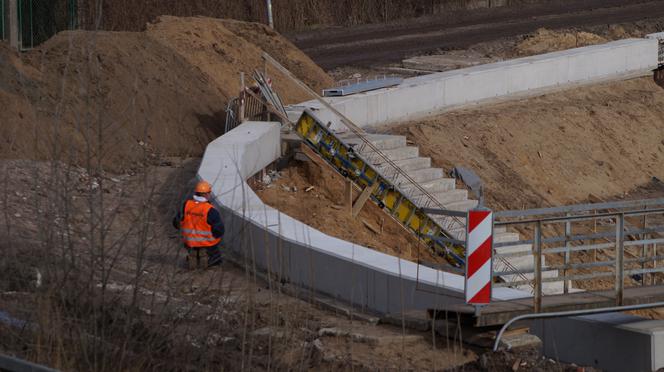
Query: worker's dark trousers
[(214, 254)]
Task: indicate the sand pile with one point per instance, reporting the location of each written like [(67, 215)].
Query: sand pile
[(602, 140), (314, 194), (544, 41), (120, 98)]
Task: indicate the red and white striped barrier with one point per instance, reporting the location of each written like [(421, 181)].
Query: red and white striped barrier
[(479, 251)]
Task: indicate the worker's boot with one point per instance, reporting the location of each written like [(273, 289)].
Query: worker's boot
[(192, 259)]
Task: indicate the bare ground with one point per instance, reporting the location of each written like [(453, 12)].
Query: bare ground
[(92, 266), (556, 148), (324, 208)]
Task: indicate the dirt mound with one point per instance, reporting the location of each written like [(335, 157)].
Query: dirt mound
[(120, 98), (544, 41), (221, 49), (555, 149), (321, 207)]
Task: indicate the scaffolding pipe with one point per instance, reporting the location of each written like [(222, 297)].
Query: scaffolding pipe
[(560, 314)]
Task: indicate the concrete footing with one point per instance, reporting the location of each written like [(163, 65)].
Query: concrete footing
[(611, 342)]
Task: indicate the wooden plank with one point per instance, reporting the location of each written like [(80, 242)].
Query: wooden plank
[(362, 199)]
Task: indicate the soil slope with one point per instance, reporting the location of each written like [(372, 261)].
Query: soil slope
[(322, 207), (553, 149), (118, 98)]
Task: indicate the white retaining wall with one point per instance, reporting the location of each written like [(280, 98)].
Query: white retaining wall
[(354, 274), (429, 94), (304, 256)]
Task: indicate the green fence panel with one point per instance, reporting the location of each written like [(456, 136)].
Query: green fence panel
[(39, 20), (3, 15)]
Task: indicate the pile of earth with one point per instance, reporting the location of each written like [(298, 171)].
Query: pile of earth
[(314, 194), (117, 99), (560, 148), (544, 41)]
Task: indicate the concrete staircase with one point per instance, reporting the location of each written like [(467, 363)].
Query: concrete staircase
[(444, 190)]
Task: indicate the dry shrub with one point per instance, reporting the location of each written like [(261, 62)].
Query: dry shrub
[(289, 15)]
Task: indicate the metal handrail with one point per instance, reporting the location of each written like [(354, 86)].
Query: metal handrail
[(621, 231), (578, 208), (359, 132)]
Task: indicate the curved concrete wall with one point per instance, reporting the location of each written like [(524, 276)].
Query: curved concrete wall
[(429, 94), (302, 255)]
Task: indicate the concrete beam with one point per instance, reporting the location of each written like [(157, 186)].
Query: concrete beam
[(431, 94)]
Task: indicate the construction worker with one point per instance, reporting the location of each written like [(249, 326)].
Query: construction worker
[(200, 226)]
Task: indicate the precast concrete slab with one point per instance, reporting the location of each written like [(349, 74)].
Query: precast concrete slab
[(611, 342), (396, 154), (432, 187), (422, 175), (463, 205), (451, 196), (380, 141), (411, 164)]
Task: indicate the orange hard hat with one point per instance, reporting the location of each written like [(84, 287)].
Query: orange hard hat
[(203, 187)]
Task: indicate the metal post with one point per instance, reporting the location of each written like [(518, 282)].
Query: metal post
[(654, 263), (568, 234), (270, 20), (243, 98), (2, 20), (620, 254), (537, 247), (14, 37), (644, 250)]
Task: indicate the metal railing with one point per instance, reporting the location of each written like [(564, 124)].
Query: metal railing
[(3, 23), (388, 168), (252, 105), (606, 246)]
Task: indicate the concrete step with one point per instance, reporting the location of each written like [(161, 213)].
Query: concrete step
[(506, 237), (451, 196), (499, 229), (513, 248), (520, 263), (380, 141), (456, 228), (400, 153), (431, 187), (530, 276), (422, 175), (462, 206), (407, 165)]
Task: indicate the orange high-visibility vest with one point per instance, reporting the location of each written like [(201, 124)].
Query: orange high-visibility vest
[(195, 230)]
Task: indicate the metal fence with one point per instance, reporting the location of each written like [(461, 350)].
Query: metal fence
[(249, 106), (4, 23), (595, 247), (38, 20)]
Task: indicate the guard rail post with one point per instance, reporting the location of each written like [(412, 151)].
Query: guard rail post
[(537, 247), (620, 258)]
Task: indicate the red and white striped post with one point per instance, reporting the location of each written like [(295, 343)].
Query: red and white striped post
[(479, 252)]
